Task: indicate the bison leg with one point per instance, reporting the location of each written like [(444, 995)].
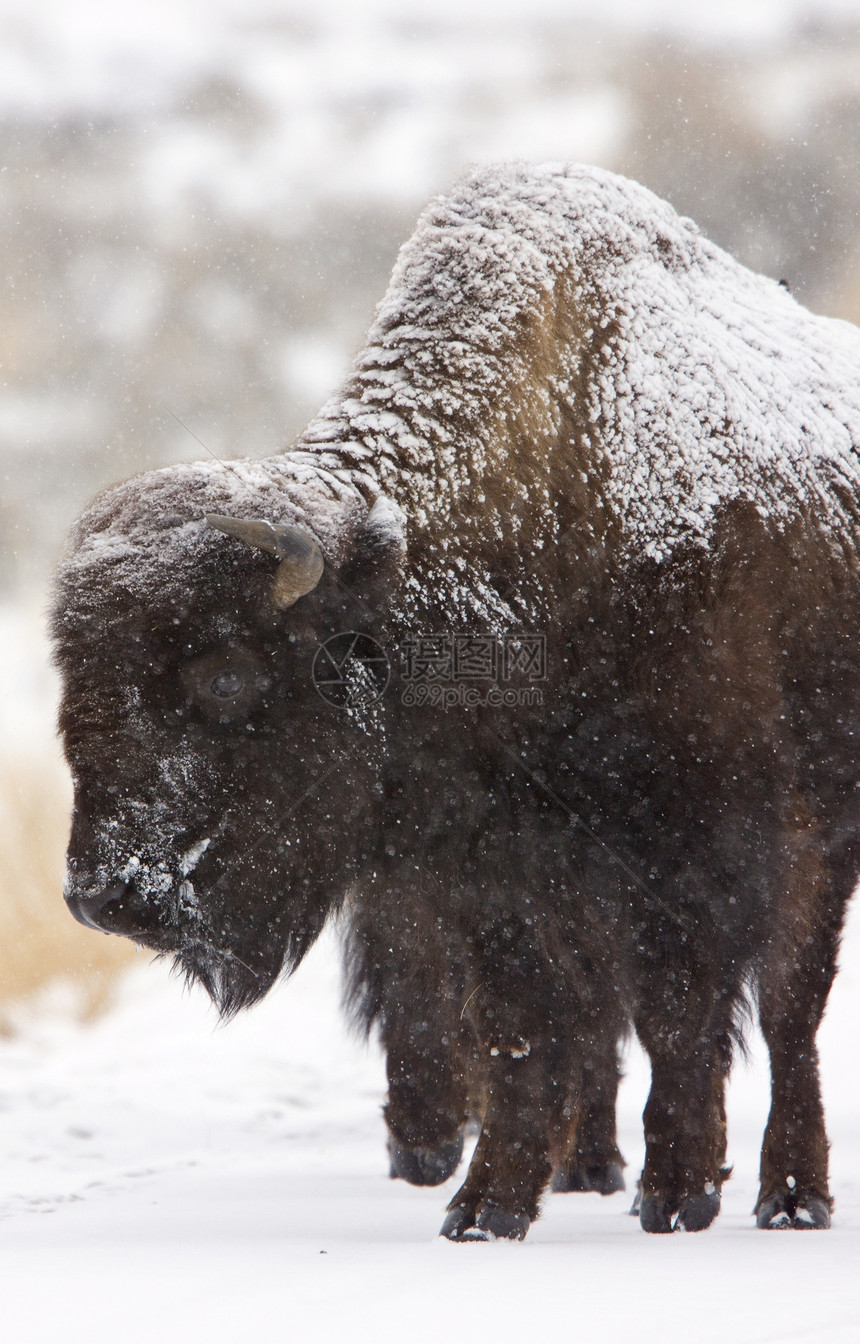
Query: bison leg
[(511, 1164), (594, 1162), (685, 1136), (793, 991), (427, 1107), (521, 1138), (434, 1086)]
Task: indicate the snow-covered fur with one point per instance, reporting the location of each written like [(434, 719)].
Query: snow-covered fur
[(574, 421)]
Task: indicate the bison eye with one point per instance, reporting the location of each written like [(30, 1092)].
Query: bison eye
[(226, 684)]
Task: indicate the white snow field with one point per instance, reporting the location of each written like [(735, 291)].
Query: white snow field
[(167, 1179)]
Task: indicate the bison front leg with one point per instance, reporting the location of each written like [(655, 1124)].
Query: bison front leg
[(685, 1134), (431, 1092), (521, 1138)]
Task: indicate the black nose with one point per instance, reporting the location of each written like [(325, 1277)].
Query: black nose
[(105, 910)]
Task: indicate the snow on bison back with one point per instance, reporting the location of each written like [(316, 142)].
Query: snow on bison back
[(582, 529)]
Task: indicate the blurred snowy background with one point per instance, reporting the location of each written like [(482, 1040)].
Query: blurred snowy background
[(200, 204)]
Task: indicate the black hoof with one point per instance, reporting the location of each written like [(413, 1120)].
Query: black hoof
[(772, 1213), (636, 1206), (694, 1214), (497, 1225), (424, 1166), (459, 1225), (698, 1211), (654, 1215), (570, 1181), (492, 1224), (791, 1211), (812, 1213), (606, 1179)]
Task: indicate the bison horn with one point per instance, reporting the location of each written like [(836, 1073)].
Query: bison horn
[(301, 559)]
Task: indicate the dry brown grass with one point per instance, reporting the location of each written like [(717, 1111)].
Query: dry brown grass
[(39, 941)]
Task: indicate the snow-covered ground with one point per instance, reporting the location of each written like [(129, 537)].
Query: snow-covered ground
[(167, 1179)]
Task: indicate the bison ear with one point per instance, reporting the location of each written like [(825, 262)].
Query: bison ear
[(302, 563)]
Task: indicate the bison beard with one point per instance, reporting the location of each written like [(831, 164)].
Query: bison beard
[(577, 421)]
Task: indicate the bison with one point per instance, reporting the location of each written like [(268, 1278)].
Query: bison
[(537, 658)]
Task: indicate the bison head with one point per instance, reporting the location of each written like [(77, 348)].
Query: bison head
[(221, 804)]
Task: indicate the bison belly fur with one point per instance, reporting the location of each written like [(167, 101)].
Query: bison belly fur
[(536, 658)]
